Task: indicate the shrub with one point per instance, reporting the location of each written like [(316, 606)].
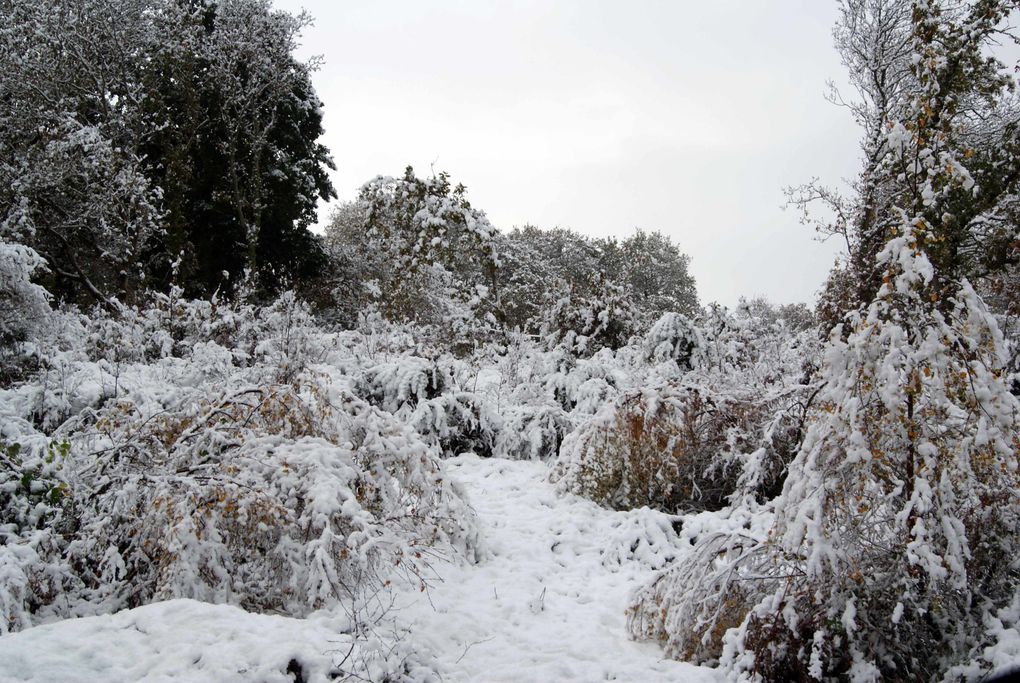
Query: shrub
[(280, 333), (24, 306), (284, 497), (674, 337), (689, 607), (584, 322), (532, 432), (896, 530), (408, 380), (584, 384), (457, 422), (664, 447)]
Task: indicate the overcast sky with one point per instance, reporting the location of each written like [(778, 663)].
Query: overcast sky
[(685, 117)]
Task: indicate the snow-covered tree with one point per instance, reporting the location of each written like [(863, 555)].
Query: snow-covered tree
[(899, 515), (257, 178), (562, 281), (895, 536), (72, 180), (890, 552), (974, 111), (658, 274), (134, 131), (423, 223)]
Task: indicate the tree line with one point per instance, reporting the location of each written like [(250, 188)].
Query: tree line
[(151, 143)]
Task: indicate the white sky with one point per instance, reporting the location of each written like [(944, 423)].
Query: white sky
[(687, 117)]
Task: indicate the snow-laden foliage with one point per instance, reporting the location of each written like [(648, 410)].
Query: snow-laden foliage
[(584, 320), (932, 70), (457, 422), (404, 381), (532, 432), (24, 305), (277, 335), (134, 472), (674, 337), (428, 221), (659, 446), (642, 536), (797, 512), (892, 550), (899, 515), (703, 405), (601, 289), (689, 607), (582, 385), (428, 396), (417, 249), (758, 345), (72, 179), (100, 172), (896, 531), (675, 447)]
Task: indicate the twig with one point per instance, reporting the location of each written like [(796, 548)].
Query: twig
[(471, 645)]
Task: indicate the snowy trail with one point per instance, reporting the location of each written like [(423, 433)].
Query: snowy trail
[(548, 605)]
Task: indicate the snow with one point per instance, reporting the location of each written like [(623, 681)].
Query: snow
[(549, 603), (177, 640), (546, 604)]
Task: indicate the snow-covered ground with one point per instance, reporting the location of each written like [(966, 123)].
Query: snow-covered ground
[(177, 640), (547, 604)]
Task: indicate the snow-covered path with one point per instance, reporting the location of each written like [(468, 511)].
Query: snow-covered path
[(548, 604)]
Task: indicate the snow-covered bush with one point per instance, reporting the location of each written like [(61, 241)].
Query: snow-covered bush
[(673, 337), (417, 249), (83, 360), (582, 384), (689, 607), (602, 316), (892, 550), (406, 380), (644, 536), (896, 534), (283, 498), (425, 394), (279, 334), (756, 346), (457, 422), (24, 305), (31, 488), (671, 447), (532, 432)]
